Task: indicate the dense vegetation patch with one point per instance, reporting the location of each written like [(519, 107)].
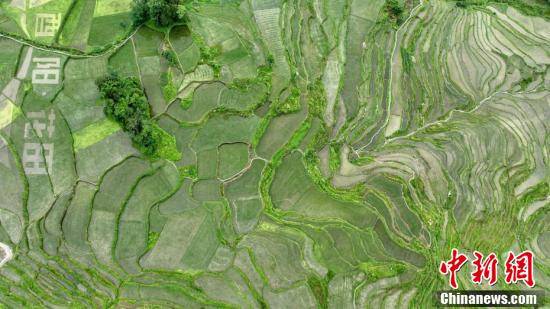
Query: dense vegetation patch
[(169, 89), (291, 104), (125, 102), (163, 13), (208, 54), (376, 271), (394, 11), (317, 98), (263, 77), (170, 57)]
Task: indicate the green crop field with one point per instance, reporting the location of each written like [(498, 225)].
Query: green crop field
[(271, 153)]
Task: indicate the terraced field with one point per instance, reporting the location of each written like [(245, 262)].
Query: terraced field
[(329, 154)]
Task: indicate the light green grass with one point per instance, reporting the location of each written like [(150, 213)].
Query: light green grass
[(8, 113), (110, 7), (94, 133), (167, 149)]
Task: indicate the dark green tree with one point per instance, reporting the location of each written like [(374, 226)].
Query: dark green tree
[(140, 12), (163, 13), (126, 103)]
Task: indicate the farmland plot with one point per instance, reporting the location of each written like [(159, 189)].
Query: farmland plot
[(330, 153)]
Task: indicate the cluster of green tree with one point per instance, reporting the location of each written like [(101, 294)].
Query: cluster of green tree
[(163, 13), (532, 8), (125, 102), (395, 11)]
